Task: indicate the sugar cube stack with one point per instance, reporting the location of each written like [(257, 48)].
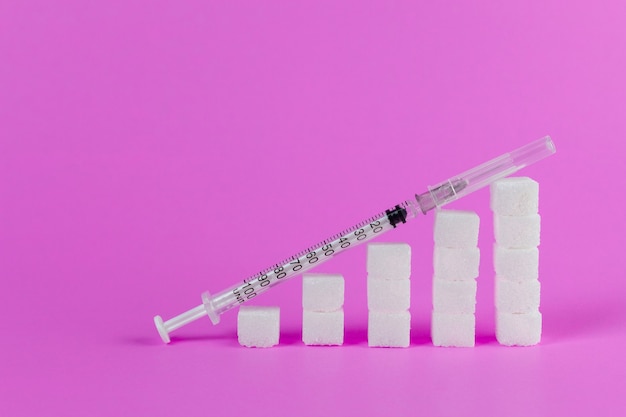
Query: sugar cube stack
[(388, 294), (456, 260), (258, 326), (517, 226), (322, 304)]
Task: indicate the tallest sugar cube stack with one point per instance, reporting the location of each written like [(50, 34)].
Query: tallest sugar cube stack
[(515, 204), (455, 264)]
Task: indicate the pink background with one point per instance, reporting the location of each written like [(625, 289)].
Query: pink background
[(151, 150)]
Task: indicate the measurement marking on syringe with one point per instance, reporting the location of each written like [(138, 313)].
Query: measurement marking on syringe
[(309, 257), (327, 248)]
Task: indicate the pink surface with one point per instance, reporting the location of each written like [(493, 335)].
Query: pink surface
[(151, 150)]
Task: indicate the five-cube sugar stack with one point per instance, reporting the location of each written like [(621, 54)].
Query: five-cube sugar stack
[(388, 294), (515, 203), (456, 261), (322, 304)]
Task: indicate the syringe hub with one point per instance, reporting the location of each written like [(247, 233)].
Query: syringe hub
[(166, 327)]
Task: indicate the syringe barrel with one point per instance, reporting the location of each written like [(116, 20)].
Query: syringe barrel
[(301, 262)]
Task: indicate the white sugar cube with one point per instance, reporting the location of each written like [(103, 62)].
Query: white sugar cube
[(388, 295), (453, 329), (517, 296), (388, 329), (322, 328), (456, 229), (515, 196), (517, 231), (518, 329), (454, 296), (516, 264), (456, 264), (258, 326), (322, 292), (389, 260)]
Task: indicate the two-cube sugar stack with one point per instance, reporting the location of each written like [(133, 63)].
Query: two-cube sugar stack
[(515, 203), (388, 294), (456, 261), (322, 304)]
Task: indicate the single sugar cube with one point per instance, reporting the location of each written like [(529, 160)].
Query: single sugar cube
[(456, 228), (323, 328), (517, 296), (456, 264), (517, 231), (514, 329), (515, 196), (453, 329), (389, 260), (516, 264), (322, 292), (388, 295), (388, 329), (454, 296), (258, 326)]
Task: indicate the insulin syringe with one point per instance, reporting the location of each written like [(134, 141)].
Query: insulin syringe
[(436, 196)]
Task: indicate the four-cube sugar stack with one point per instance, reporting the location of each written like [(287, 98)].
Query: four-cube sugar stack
[(322, 305), (388, 294), (258, 326), (515, 203), (456, 261)]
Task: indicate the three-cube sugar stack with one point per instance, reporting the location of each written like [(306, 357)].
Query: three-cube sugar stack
[(515, 203), (388, 294), (322, 304), (456, 262)]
